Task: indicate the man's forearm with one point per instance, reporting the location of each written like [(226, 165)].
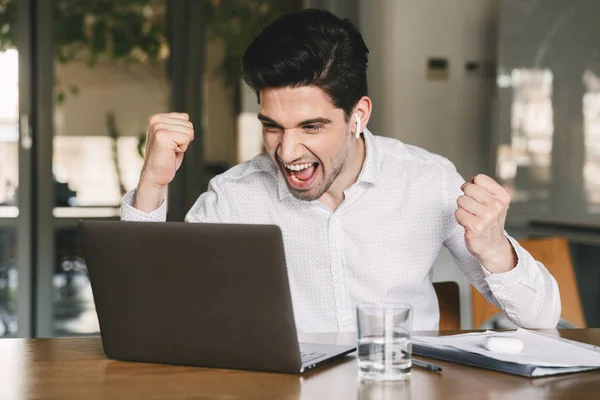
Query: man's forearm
[(502, 260), (148, 196)]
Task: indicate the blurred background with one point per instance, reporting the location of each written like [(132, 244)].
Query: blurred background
[(510, 88)]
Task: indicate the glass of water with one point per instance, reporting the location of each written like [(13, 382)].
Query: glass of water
[(384, 341)]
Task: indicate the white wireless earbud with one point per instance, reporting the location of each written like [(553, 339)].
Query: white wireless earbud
[(357, 126)]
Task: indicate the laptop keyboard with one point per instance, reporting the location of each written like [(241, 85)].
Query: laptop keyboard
[(307, 356)]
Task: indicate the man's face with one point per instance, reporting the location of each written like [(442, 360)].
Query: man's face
[(306, 136)]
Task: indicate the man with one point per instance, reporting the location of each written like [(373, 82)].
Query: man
[(363, 217)]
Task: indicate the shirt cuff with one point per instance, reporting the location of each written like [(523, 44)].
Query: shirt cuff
[(130, 213)]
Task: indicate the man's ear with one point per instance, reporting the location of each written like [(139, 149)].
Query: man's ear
[(362, 113)]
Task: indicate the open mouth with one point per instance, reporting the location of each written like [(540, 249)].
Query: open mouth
[(301, 175)]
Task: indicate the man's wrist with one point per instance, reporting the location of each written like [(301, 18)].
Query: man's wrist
[(502, 259), (148, 196)]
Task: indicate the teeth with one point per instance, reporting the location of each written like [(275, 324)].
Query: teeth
[(298, 167), (294, 177)]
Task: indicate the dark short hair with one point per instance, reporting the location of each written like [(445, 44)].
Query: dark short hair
[(310, 48)]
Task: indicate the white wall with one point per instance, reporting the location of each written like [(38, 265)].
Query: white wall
[(449, 117)]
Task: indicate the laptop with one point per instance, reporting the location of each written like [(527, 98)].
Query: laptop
[(207, 295)]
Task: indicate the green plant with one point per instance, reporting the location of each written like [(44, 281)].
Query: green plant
[(135, 30), (99, 30), (235, 23)]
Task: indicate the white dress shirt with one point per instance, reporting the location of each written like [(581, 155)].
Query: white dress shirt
[(378, 245)]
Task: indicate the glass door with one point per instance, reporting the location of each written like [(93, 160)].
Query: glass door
[(15, 167), (109, 75), (79, 81)]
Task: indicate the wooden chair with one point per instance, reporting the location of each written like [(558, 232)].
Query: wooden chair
[(554, 254), (448, 295)]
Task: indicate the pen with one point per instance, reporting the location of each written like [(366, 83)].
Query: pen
[(423, 364), (426, 365)]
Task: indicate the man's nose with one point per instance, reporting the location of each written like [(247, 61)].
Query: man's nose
[(289, 148)]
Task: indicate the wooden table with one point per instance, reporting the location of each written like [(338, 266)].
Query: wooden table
[(76, 368)]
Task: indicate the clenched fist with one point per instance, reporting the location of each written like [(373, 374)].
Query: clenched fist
[(482, 212), (168, 137)]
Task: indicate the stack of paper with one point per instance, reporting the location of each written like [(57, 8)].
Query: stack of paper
[(542, 355)]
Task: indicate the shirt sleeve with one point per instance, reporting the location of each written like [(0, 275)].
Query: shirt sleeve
[(211, 207), (130, 213), (528, 294)]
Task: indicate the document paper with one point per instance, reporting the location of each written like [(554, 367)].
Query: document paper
[(550, 354)]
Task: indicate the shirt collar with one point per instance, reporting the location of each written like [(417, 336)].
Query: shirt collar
[(368, 174)]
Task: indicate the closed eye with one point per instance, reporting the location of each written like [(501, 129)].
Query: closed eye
[(313, 128), (271, 127)]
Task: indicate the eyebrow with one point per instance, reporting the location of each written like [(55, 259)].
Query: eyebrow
[(311, 121)]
